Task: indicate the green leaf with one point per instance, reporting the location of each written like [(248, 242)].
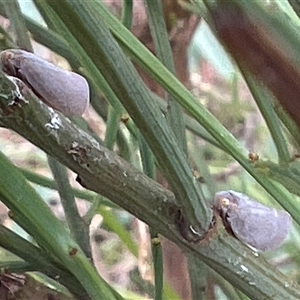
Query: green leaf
[(32, 213)]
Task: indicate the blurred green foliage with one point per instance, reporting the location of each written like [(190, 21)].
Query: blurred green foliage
[(232, 122)]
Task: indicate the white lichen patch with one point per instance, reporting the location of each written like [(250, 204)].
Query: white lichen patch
[(55, 121), (16, 93), (244, 269)]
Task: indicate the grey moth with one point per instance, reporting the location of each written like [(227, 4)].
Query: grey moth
[(63, 90), (254, 224)]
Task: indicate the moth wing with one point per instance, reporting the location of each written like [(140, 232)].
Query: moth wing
[(260, 227), (65, 91)]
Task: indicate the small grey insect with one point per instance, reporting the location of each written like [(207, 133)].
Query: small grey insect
[(63, 90), (252, 223)]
